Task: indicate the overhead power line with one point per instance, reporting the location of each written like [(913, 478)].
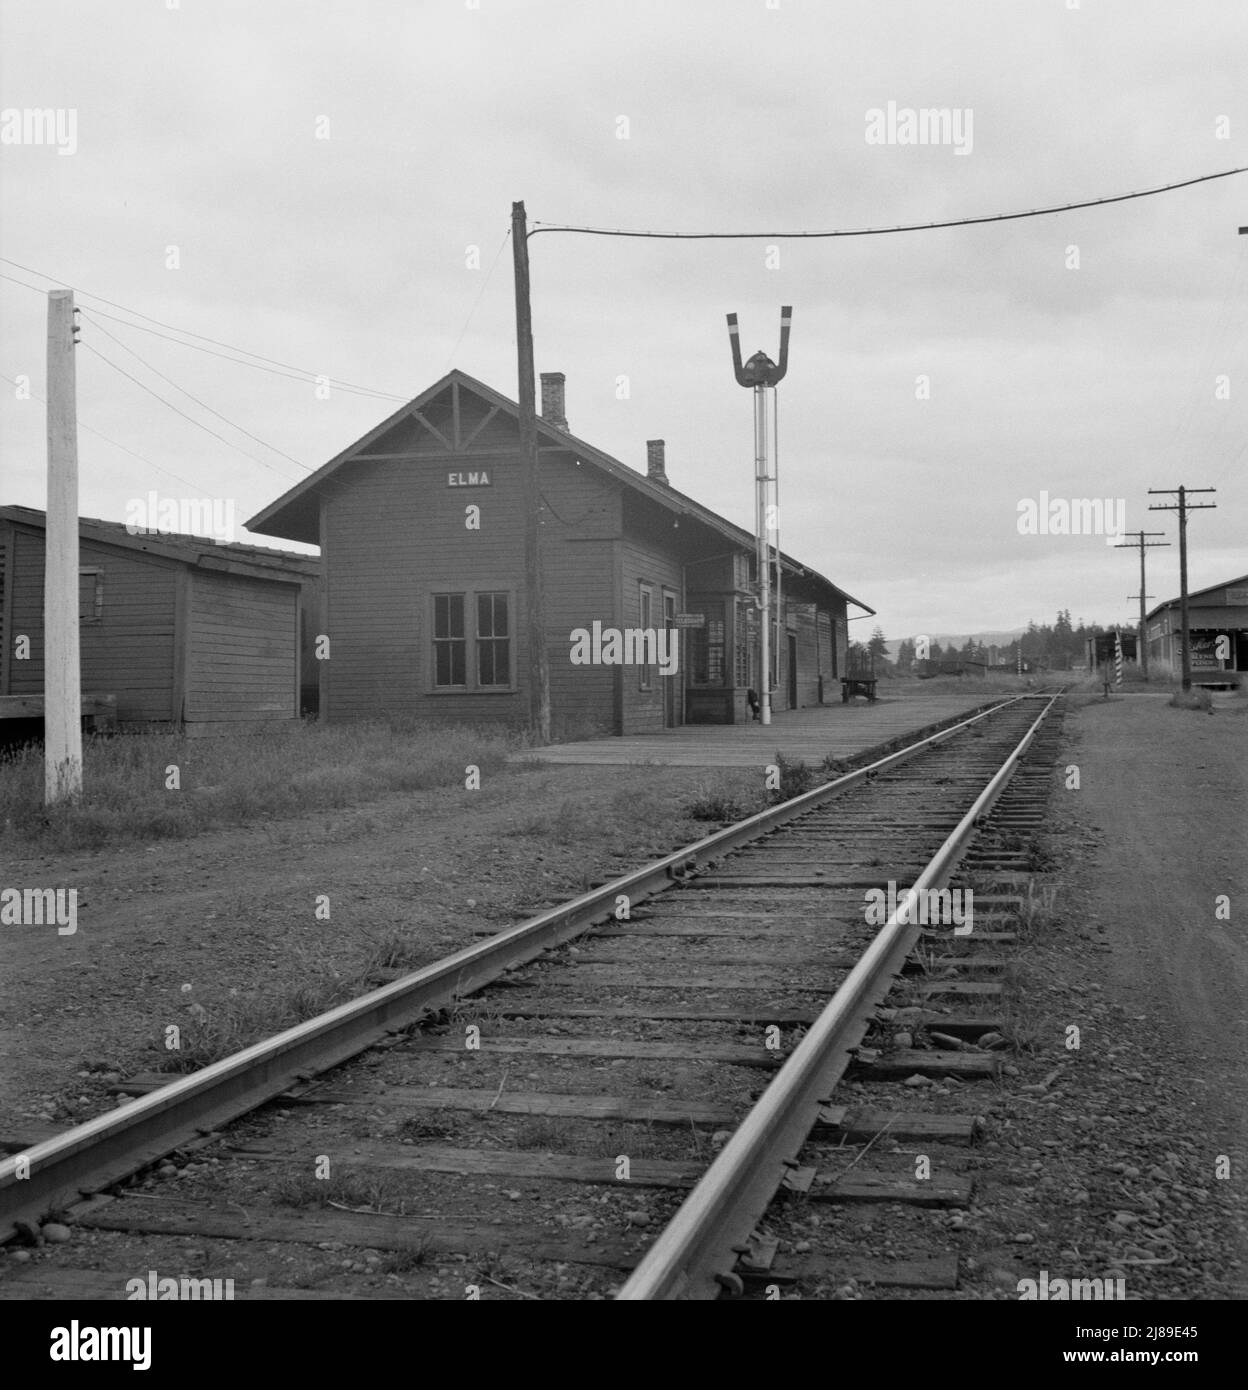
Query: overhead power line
[(303, 372), (90, 318), (477, 302), (291, 374), (199, 424), (540, 227), (108, 439)]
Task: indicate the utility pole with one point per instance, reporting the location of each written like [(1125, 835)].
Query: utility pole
[(62, 679), (539, 660), (1143, 545), (774, 530), (759, 373), (1183, 506)]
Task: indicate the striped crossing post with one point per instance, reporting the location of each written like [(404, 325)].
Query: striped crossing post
[(1117, 657)]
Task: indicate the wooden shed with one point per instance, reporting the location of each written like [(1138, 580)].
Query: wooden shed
[(175, 631), (421, 530)]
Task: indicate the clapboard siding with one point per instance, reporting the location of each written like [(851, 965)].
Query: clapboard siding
[(802, 624), (243, 660), (649, 557), (129, 652), (392, 532), (582, 522), (398, 533), (174, 640)]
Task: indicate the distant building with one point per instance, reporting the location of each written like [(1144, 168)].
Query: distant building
[(1099, 650), (1218, 623)]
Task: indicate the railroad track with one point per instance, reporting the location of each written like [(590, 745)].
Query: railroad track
[(619, 1097)]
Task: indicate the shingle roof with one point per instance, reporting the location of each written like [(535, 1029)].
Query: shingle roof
[(179, 546)]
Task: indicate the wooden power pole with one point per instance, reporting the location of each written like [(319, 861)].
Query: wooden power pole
[(1183, 506), (1143, 545), (539, 660), (62, 680)]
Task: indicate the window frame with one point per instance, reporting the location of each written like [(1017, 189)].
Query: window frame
[(508, 637), (97, 603), (469, 591), (645, 601), (707, 646), (451, 641)]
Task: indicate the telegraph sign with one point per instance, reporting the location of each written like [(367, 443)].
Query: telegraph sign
[(689, 620)]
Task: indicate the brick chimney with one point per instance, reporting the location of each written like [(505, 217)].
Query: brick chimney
[(553, 409), (656, 469)]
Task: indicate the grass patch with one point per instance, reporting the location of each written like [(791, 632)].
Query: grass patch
[(211, 1033), (404, 1261), (216, 1029), (380, 1192), (726, 799), (796, 777), (1036, 913), (545, 1133), (127, 794), (1196, 698), (433, 1127), (718, 807)]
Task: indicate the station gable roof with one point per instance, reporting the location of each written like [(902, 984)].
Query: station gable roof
[(459, 415)]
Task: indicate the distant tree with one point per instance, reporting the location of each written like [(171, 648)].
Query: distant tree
[(877, 645), (935, 651), (905, 655)]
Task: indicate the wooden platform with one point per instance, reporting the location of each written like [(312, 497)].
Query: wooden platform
[(98, 711), (809, 734)]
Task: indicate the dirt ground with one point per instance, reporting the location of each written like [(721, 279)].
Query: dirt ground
[(1127, 1153), (1168, 791), (1124, 1155), (233, 913)]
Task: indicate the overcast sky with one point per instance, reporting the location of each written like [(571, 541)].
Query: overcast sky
[(201, 126)]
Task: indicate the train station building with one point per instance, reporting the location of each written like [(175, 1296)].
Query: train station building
[(1218, 623), (650, 612)]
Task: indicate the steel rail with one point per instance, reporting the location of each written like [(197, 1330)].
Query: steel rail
[(695, 1253), (56, 1173)]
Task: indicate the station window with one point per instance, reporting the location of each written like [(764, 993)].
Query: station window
[(645, 605), (493, 640), (90, 595), (707, 648), (743, 645), (450, 642), (472, 640)]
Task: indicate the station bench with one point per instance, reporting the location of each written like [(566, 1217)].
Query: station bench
[(858, 683)]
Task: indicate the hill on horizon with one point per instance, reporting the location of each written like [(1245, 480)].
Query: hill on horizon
[(989, 639)]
